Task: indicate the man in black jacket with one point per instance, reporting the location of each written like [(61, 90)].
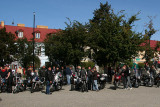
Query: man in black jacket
[(49, 79), (90, 78), (42, 72), (10, 79), (95, 78), (124, 76)]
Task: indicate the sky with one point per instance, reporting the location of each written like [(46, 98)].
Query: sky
[(54, 13)]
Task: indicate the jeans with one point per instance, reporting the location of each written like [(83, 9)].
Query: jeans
[(68, 79), (47, 87), (128, 82), (95, 86)]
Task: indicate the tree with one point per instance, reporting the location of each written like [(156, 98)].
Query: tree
[(150, 52), (24, 53), (111, 36), (7, 47), (67, 46)]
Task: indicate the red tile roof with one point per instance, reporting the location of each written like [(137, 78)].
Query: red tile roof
[(27, 32), (153, 44)]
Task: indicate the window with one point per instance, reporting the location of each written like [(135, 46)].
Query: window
[(37, 35), (38, 52), (20, 34)]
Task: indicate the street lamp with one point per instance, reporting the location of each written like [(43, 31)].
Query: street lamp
[(33, 38)]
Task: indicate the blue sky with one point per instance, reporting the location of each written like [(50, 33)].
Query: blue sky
[(53, 13)]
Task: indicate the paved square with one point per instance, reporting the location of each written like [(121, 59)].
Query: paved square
[(137, 97)]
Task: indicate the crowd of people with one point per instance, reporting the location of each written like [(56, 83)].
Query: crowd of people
[(48, 74), (90, 75)]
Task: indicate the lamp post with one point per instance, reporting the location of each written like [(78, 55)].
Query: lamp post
[(33, 38)]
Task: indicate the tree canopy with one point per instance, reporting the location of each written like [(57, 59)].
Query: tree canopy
[(7, 47), (111, 36)]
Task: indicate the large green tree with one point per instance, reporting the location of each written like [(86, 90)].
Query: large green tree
[(111, 36), (24, 53), (150, 52), (7, 47), (67, 46)]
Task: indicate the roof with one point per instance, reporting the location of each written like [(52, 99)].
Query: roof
[(27, 32), (153, 44)]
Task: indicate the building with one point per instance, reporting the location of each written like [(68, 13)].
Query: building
[(21, 31), (139, 58)]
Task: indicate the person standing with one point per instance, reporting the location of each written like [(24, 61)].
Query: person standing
[(124, 76), (147, 68), (152, 71), (128, 78), (53, 69), (95, 78), (68, 74), (10, 79), (19, 71), (42, 72), (89, 72), (83, 74), (49, 79)]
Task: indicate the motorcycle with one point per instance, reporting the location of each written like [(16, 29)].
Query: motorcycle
[(157, 80), (83, 84), (3, 85), (57, 82), (74, 79), (148, 80), (117, 78), (19, 86), (36, 83), (102, 80), (135, 81)]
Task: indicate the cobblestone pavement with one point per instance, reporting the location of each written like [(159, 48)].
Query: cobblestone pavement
[(137, 97)]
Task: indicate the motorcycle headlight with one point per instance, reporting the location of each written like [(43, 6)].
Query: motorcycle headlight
[(102, 78), (117, 77)]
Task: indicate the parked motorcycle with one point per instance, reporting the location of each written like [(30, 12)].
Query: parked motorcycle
[(74, 81), (19, 86), (57, 82), (135, 81), (102, 80), (36, 83), (117, 78), (157, 80), (3, 85), (83, 84), (147, 80)]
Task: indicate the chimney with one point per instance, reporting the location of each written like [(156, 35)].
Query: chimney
[(21, 25), (2, 23), (41, 26)]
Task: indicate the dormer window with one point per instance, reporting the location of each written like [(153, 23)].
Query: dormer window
[(38, 35), (20, 34)]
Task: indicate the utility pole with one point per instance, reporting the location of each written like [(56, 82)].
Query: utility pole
[(33, 39)]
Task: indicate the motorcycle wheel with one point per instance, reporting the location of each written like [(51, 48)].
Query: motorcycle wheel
[(32, 88), (136, 85), (0, 90), (72, 87), (82, 88), (158, 84), (115, 85), (14, 91), (59, 87), (3, 88)]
